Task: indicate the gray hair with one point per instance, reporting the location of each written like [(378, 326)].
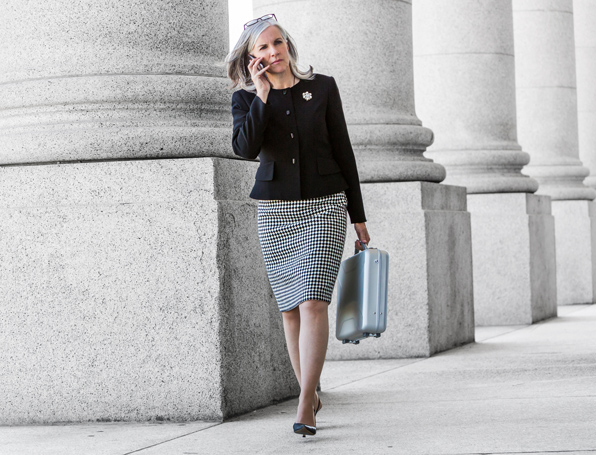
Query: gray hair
[(237, 60)]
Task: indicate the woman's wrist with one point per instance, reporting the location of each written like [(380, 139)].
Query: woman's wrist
[(263, 96)]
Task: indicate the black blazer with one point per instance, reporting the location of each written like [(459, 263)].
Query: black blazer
[(302, 140)]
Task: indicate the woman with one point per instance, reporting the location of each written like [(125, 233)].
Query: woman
[(306, 180)]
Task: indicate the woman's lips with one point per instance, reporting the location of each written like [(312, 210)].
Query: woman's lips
[(277, 61)]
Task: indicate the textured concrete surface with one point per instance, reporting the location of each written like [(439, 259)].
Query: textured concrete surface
[(111, 36), (513, 244), (518, 390), (372, 43), (575, 232), (113, 79), (584, 17), (92, 438), (546, 97), (137, 292), (426, 231), (465, 92)]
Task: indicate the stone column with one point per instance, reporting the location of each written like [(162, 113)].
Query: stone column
[(584, 18), (367, 47), (112, 80), (465, 92), (375, 79), (548, 130), (129, 281)]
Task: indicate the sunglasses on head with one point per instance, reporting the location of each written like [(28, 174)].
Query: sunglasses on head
[(262, 18)]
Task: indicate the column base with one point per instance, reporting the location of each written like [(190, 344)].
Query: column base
[(513, 239), (137, 292), (575, 229), (426, 231)]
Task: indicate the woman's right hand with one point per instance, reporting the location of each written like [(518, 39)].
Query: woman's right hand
[(362, 234), (259, 78)]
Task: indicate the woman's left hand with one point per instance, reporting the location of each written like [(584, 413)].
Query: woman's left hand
[(362, 234)]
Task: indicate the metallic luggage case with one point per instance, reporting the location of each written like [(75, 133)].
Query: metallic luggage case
[(362, 296)]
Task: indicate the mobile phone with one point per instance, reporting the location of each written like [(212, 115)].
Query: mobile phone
[(260, 66)]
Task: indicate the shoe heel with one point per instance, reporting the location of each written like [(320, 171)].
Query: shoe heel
[(300, 428)]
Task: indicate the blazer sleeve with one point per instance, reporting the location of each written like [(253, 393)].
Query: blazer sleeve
[(343, 153), (250, 122)]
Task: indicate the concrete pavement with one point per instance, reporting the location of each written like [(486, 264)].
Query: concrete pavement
[(517, 390)]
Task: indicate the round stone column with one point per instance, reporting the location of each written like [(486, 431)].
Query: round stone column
[(547, 97), (367, 47), (548, 130), (128, 276), (465, 92), (584, 17), (112, 80)]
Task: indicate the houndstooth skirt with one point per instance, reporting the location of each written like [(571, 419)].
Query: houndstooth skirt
[(302, 244)]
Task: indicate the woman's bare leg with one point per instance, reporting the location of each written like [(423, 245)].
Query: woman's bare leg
[(314, 335), (291, 321)]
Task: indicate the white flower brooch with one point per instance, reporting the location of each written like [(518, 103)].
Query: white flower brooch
[(307, 96)]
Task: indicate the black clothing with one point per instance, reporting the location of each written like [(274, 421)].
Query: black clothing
[(302, 140)]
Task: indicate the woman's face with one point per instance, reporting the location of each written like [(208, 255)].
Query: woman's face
[(273, 48)]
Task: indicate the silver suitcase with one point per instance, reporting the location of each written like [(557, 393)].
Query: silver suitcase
[(362, 295)]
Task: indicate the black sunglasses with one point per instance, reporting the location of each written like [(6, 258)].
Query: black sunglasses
[(262, 18)]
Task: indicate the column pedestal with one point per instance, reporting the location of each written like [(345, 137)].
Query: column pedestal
[(138, 292), (426, 231), (514, 275), (575, 225)]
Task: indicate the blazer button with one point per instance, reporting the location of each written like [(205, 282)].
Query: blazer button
[(293, 160), (292, 135), (284, 92), (287, 112)]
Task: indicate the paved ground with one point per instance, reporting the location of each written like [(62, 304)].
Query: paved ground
[(518, 390)]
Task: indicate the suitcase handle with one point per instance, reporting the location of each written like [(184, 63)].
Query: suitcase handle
[(364, 245)]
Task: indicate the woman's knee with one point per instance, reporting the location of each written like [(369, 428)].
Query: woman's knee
[(314, 307), (292, 315)]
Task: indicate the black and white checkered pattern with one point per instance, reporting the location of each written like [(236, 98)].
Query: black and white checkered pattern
[(302, 243)]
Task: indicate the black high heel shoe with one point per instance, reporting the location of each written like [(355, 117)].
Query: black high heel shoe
[(301, 428)]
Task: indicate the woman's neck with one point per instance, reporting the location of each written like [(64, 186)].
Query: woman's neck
[(281, 81)]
